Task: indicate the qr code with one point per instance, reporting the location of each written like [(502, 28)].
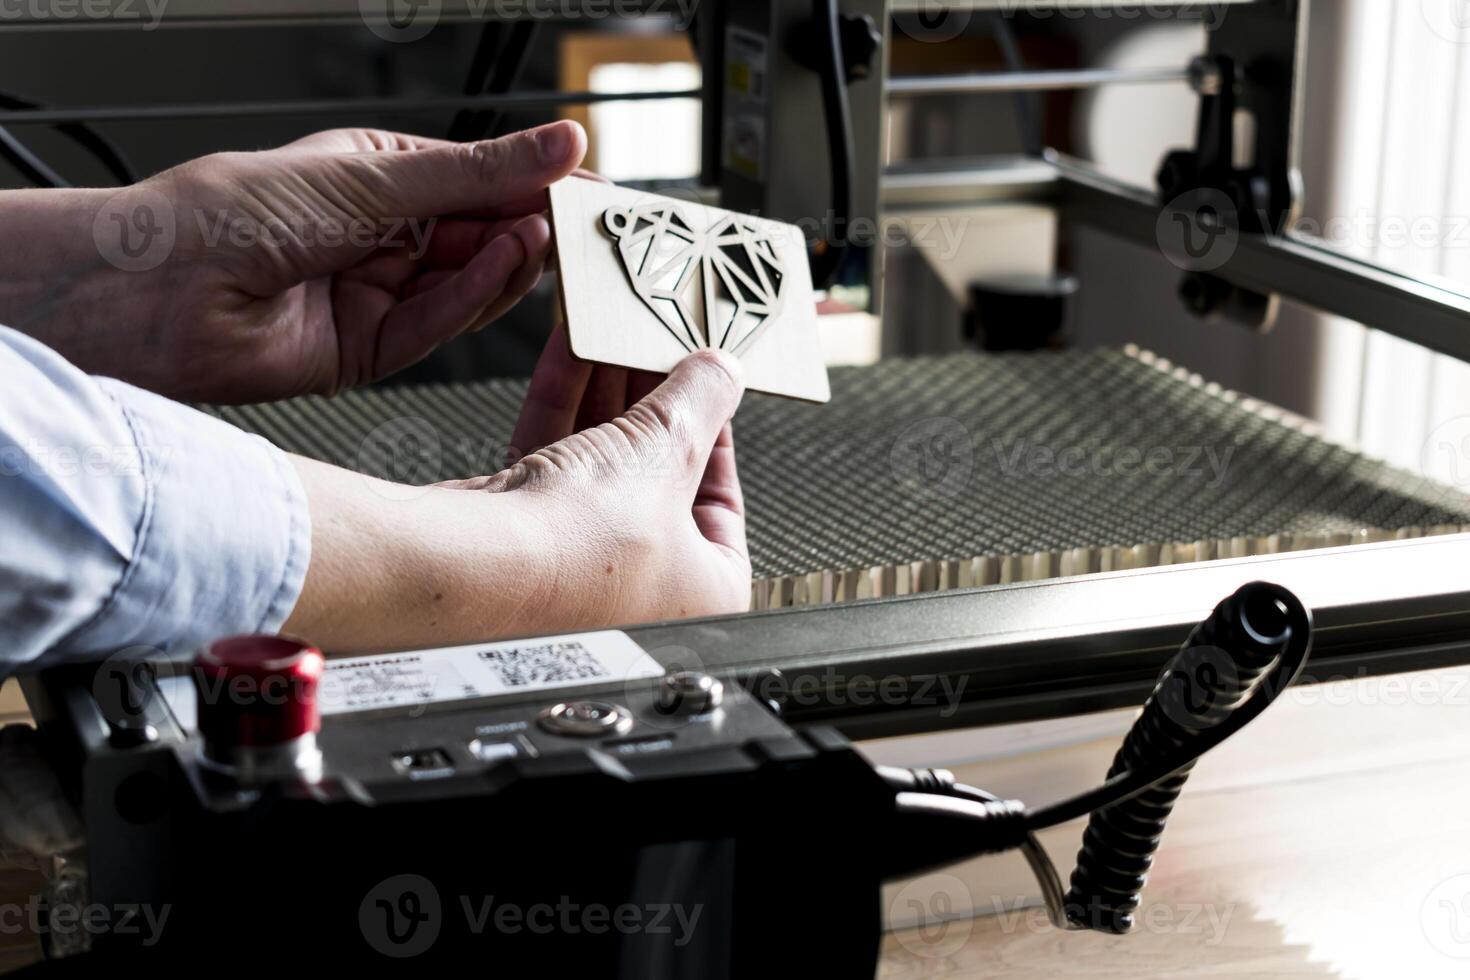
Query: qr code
[(549, 663)]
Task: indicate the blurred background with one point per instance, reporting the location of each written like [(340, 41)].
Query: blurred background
[(1383, 133)]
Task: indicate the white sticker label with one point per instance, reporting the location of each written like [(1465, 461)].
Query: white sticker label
[(744, 136), (393, 680)]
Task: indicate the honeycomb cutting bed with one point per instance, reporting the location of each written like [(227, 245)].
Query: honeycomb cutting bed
[(968, 469)]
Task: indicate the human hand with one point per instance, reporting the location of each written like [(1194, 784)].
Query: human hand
[(330, 262), (628, 509), (639, 477)]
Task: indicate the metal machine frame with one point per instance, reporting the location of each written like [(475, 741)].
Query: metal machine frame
[(1045, 648)]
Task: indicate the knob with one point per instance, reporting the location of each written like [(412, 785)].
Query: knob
[(861, 39), (586, 719), (689, 692), (257, 705), (858, 37)]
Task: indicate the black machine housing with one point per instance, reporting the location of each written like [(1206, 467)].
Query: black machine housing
[(642, 854)]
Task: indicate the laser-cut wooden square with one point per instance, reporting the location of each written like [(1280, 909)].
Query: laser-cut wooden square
[(646, 279)]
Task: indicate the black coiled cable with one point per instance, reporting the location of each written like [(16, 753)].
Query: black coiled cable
[(1231, 668), (1213, 675)]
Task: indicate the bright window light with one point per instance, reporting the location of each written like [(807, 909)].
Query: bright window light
[(658, 139)]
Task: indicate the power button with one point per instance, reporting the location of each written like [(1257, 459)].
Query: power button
[(586, 719)]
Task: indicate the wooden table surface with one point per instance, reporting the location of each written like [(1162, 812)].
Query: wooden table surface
[(1329, 839)]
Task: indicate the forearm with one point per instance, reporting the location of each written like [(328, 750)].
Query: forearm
[(131, 520), (55, 282), (401, 567)]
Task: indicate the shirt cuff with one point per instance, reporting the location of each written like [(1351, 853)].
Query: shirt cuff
[(224, 539)]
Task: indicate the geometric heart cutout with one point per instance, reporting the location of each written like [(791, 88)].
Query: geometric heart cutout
[(647, 279), (716, 288)]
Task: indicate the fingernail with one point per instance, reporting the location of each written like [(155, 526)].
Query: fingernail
[(508, 242), (552, 143), (730, 363)]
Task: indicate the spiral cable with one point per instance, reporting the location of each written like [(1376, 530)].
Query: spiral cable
[(1215, 672)]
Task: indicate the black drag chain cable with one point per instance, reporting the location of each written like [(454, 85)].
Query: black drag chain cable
[(1232, 666), (27, 164), (1210, 680), (18, 155), (828, 262)]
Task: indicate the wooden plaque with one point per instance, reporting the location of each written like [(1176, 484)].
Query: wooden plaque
[(647, 279)]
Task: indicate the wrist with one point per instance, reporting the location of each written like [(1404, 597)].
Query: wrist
[(65, 274), (398, 567)]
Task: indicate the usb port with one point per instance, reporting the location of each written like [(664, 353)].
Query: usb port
[(421, 760)]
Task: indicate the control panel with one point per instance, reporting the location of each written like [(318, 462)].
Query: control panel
[(267, 786)]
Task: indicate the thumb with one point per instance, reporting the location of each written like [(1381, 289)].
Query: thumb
[(686, 413), (481, 178)]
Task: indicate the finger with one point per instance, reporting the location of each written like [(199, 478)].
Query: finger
[(691, 407), (453, 242), (606, 397), (509, 478), (535, 235), (719, 506), (552, 260), (358, 139), (461, 178), (388, 271), (518, 208), (521, 283), (419, 324), (426, 281), (550, 409)]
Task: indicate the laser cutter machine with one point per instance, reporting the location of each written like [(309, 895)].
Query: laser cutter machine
[(908, 533)]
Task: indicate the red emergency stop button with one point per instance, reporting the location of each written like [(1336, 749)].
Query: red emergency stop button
[(257, 693)]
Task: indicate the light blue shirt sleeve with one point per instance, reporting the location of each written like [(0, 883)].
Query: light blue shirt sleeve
[(130, 520)]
